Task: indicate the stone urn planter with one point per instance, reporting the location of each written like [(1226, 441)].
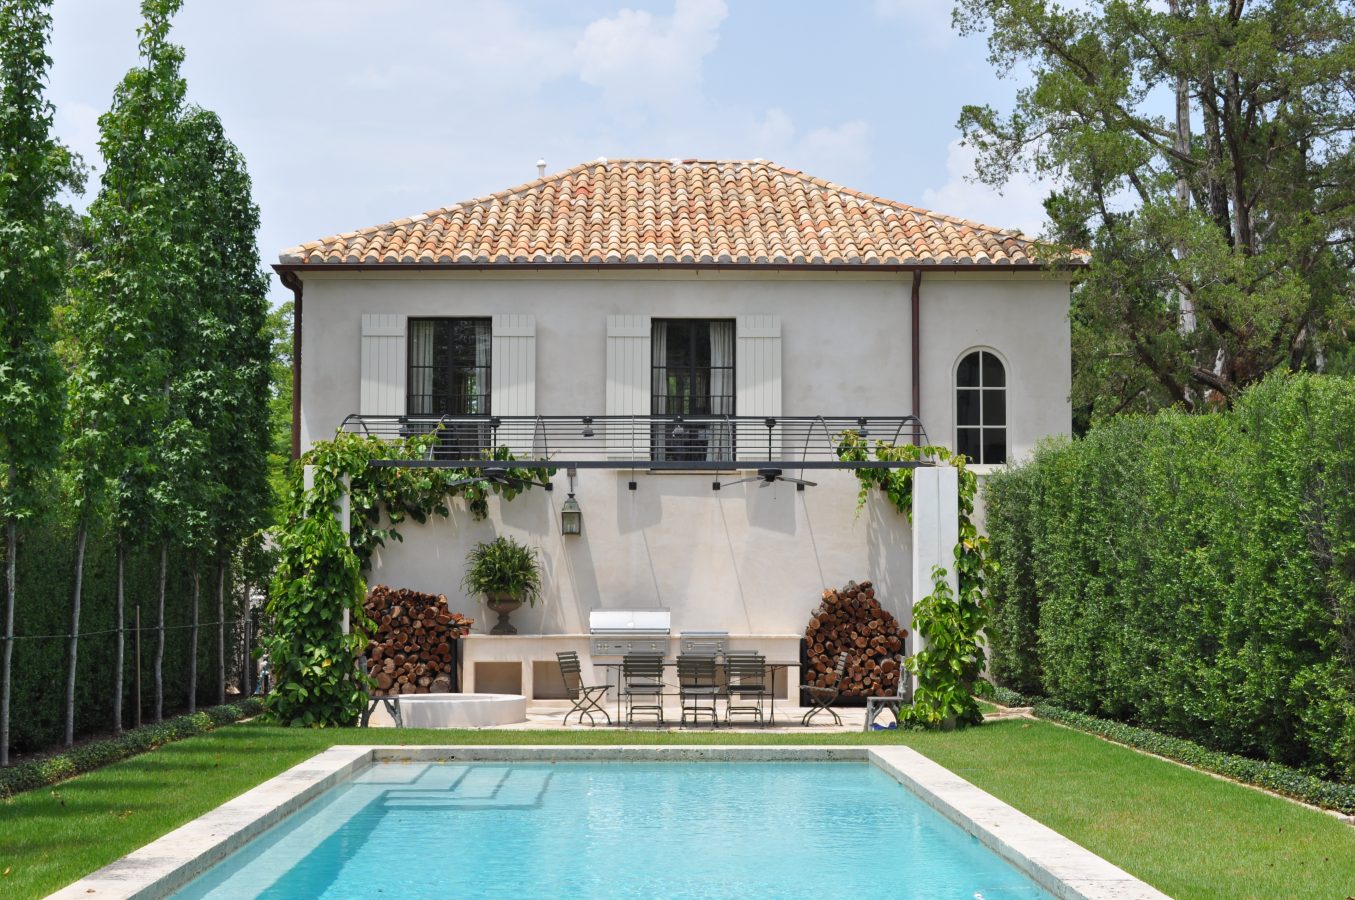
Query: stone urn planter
[(503, 604), (505, 574)]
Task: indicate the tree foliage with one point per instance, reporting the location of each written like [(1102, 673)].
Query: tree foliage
[(122, 338), (34, 169), (1203, 155), (319, 580), (279, 330)]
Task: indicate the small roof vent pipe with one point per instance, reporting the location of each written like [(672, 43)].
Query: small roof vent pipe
[(540, 168)]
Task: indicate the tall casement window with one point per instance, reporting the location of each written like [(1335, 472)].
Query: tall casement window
[(981, 408), (449, 367), (693, 378)]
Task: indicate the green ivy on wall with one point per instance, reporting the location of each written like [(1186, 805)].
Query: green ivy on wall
[(320, 571), (949, 623)]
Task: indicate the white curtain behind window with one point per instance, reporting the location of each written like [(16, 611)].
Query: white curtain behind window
[(479, 401), (720, 445), (421, 368), (658, 336)]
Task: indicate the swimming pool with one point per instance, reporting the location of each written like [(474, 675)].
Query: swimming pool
[(616, 829), (297, 833)]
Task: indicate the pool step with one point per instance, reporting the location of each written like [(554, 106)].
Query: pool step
[(476, 787)]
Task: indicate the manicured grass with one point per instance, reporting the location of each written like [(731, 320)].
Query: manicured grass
[(1187, 833)]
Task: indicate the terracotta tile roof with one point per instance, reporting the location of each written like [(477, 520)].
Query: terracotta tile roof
[(670, 211)]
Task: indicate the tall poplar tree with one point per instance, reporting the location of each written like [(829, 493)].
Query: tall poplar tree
[(34, 169), (125, 286), (227, 385), (196, 391)]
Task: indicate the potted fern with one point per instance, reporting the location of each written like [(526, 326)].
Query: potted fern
[(505, 574)]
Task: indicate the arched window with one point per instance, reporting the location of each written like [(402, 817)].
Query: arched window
[(981, 408)]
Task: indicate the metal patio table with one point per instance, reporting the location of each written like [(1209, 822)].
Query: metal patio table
[(772, 668)]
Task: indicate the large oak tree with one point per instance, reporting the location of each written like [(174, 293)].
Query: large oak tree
[(1203, 154)]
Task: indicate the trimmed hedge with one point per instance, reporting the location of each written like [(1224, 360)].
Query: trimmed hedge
[(1009, 697), (54, 769), (1194, 575), (45, 582)]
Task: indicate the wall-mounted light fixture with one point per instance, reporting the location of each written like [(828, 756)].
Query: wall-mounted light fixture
[(571, 516)]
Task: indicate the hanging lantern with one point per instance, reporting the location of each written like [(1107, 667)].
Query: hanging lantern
[(571, 516)]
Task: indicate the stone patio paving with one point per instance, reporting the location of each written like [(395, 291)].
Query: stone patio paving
[(548, 714)]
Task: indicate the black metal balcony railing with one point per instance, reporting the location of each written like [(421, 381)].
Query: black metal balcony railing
[(679, 443)]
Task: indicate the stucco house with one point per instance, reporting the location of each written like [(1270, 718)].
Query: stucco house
[(680, 305)]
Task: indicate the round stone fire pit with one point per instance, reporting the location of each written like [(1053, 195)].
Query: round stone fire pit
[(456, 710)]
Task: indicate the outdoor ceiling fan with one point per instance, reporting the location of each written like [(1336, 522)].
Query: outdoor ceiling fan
[(499, 475), (767, 476)]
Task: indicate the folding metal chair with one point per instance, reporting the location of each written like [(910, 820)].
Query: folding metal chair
[(392, 705), (697, 687), (903, 695), (642, 677), (822, 697), (586, 697), (746, 679)]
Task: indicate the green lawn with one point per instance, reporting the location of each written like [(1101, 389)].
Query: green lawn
[(1189, 834)]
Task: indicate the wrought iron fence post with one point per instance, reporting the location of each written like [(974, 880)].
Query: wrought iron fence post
[(138, 664)]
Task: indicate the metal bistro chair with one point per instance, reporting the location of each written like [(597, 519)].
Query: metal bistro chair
[(746, 678), (823, 697), (697, 687), (902, 696), (586, 697), (642, 680), (392, 704)]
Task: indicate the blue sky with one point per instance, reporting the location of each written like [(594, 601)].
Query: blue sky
[(354, 113)]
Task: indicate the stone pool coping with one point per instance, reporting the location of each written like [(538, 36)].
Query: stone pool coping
[(1056, 863)]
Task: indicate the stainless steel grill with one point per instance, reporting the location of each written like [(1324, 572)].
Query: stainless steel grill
[(704, 643), (616, 632)]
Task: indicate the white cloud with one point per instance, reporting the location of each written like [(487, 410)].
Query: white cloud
[(635, 56), (846, 148), (452, 51), (930, 19), (776, 130), (1020, 204), (839, 153)]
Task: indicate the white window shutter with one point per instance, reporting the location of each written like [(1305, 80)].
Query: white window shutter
[(384, 373), (629, 373), (757, 382), (512, 379)]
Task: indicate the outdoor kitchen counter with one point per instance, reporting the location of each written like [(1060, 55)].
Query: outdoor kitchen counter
[(526, 663)]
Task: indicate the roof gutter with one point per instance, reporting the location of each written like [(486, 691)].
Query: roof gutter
[(282, 268), (291, 280)]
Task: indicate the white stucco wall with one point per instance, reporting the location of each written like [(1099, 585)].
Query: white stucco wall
[(846, 338), (1025, 320), (749, 560)]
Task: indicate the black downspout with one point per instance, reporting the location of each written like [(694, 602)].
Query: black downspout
[(917, 352), (290, 280)]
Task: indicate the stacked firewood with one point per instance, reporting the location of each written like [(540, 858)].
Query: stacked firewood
[(411, 648), (851, 619)]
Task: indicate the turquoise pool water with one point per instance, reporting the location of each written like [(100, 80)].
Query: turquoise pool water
[(616, 829)]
